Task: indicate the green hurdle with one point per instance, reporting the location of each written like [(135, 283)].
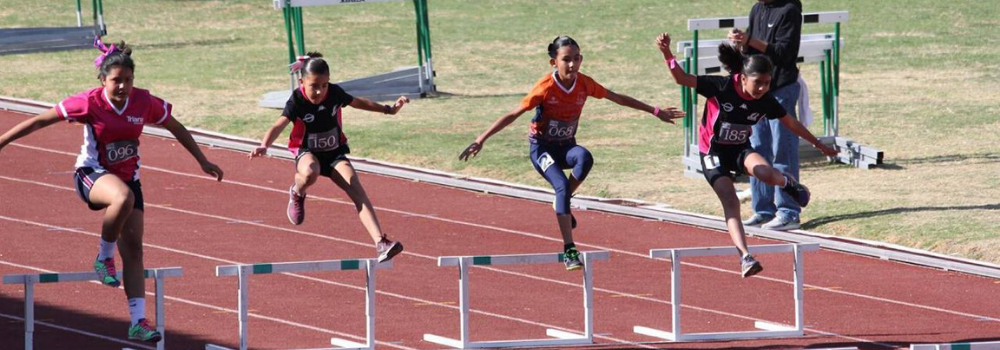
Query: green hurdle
[(413, 82), (561, 338), (244, 271), (767, 329), (30, 280)]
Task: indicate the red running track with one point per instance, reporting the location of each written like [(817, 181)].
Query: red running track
[(196, 223)]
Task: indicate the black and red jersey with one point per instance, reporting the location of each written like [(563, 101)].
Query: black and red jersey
[(730, 113), (317, 127)]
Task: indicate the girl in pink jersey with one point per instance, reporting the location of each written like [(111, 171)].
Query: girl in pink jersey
[(735, 103), (320, 146), (107, 169), (558, 100)]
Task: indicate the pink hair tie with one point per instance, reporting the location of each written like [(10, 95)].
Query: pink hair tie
[(299, 63), (105, 51)]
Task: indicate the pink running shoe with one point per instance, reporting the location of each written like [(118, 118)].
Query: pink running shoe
[(296, 207)]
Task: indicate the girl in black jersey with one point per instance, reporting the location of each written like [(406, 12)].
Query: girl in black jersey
[(735, 103), (320, 146)]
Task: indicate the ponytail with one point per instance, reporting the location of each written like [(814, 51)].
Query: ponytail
[(735, 62)]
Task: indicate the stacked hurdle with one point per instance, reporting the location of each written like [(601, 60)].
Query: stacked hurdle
[(39, 39), (767, 329), (243, 273), (700, 57), (413, 82), (29, 282), (561, 338), (994, 345)]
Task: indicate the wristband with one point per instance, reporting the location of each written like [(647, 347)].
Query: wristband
[(386, 109), (656, 111), (671, 63)]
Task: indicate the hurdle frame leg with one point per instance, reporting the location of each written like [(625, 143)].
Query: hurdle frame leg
[(160, 311), (29, 312)]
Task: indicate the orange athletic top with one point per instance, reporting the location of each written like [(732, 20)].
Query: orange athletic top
[(557, 109)]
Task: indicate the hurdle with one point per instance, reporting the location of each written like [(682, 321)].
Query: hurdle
[(767, 329), (43, 39), (412, 82), (992, 345), (559, 337), (244, 271), (30, 280)]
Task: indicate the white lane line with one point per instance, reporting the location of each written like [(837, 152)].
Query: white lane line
[(539, 236)]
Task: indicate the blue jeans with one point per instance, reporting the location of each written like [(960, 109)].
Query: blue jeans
[(780, 147)]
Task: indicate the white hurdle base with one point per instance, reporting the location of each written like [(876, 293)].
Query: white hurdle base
[(766, 329), (243, 272), (29, 281), (558, 337), (992, 345)]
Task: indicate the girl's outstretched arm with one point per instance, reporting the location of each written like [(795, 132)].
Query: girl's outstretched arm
[(498, 125), (796, 127), (667, 115), (369, 105), (29, 126), (269, 137), (184, 137), (682, 78)]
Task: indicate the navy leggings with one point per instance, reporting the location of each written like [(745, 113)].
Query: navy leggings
[(550, 160)]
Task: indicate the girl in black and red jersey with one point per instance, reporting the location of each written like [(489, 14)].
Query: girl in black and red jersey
[(558, 99), (320, 146), (735, 103)]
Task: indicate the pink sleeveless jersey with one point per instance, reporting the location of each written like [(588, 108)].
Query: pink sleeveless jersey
[(110, 135)]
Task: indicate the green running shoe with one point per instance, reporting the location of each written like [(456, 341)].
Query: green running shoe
[(572, 259), (106, 272), (143, 331)]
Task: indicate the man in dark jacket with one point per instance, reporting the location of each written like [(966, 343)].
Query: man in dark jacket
[(775, 30)]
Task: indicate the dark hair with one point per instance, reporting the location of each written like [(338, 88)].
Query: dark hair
[(735, 62), (315, 65), (121, 57), (559, 42)]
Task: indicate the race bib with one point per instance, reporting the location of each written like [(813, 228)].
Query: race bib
[(120, 151), (560, 130), (326, 141), (733, 134)]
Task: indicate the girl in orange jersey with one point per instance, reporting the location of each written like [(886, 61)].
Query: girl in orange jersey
[(558, 99)]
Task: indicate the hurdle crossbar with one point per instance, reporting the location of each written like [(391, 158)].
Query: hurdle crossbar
[(743, 22), (279, 4), (767, 329), (559, 337), (991, 345), (29, 281), (244, 271)]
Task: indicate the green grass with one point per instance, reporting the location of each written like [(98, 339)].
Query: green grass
[(919, 82)]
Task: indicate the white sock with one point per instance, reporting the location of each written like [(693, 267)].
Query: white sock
[(107, 249), (137, 309)]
